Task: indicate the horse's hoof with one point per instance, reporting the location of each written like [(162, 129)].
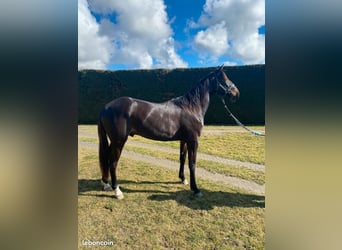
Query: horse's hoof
[(118, 194), (185, 182), (119, 197), (107, 187), (198, 194)]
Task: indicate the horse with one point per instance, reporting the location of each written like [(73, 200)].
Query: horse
[(179, 119)]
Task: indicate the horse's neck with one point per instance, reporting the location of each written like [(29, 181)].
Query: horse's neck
[(203, 98), (205, 103)]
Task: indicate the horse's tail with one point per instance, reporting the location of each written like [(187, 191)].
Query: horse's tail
[(103, 151)]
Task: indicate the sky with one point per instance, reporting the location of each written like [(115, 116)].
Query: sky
[(147, 34)]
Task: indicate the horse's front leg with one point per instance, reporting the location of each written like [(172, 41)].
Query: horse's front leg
[(192, 154), (182, 157)]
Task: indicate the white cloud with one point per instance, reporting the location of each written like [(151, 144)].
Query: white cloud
[(140, 35), (93, 49), (231, 26), (250, 48), (213, 42)]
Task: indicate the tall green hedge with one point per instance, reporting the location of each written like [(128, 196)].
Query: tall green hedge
[(96, 88)]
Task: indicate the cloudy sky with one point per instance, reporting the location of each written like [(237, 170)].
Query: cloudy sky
[(131, 34)]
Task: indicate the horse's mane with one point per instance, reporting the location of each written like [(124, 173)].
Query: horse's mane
[(192, 98)]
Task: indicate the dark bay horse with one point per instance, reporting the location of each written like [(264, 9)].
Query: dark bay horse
[(180, 118)]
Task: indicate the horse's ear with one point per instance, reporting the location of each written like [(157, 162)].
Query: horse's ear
[(221, 67)]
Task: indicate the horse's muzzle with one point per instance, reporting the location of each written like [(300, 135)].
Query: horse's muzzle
[(234, 94)]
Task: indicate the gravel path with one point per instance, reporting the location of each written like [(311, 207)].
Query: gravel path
[(200, 172)]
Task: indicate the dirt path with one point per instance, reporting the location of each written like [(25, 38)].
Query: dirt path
[(200, 172), (203, 156)]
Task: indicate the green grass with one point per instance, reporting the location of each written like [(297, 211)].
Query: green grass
[(230, 142), (158, 212), (244, 173), (223, 141), (238, 146)]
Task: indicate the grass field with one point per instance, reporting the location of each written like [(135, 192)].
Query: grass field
[(225, 142), (160, 213)]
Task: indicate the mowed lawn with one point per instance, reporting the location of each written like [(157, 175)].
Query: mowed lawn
[(160, 213)]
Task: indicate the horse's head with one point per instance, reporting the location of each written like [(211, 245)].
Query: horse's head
[(223, 86)]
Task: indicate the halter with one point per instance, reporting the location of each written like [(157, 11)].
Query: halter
[(227, 83)]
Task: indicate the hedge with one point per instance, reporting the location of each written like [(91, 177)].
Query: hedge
[(96, 88)]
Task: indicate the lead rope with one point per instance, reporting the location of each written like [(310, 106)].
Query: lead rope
[(238, 122)]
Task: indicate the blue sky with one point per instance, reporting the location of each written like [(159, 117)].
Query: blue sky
[(170, 33)]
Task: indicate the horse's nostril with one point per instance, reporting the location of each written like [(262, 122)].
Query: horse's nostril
[(234, 97)]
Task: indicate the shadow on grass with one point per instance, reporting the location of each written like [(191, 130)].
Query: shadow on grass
[(186, 198), (85, 185), (211, 199)]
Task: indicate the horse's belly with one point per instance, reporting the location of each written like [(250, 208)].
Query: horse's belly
[(161, 132), (158, 130)]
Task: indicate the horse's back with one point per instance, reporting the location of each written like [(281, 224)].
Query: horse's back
[(126, 108)]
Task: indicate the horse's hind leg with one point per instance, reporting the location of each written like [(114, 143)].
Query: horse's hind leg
[(105, 170), (182, 157), (115, 152), (104, 180), (193, 146), (103, 156)]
